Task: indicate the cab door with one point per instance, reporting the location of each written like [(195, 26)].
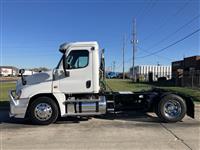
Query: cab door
[(79, 70)]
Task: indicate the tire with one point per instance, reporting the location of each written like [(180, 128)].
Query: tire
[(171, 108), (43, 111)]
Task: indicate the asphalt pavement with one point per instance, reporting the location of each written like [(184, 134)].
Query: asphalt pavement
[(127, 131)]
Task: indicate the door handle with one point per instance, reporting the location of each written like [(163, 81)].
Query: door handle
[(88, 84)]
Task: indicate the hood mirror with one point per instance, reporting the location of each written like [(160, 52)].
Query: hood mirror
[(63, 47), (21, 72)]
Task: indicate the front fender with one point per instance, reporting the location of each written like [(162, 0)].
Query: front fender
[(31, 90)]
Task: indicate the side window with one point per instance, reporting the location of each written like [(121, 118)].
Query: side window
[(77, 59)]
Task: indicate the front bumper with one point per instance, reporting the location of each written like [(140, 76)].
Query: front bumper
[(18, 107)]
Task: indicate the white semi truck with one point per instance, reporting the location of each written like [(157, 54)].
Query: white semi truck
[(76, 87)]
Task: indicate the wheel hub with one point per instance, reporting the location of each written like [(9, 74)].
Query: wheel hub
[(43, 111), (172, 109)]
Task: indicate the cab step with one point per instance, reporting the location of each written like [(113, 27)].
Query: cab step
[(110, 106)]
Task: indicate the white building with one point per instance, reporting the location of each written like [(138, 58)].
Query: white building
[(142, 72), (28, 72), (8, 71)]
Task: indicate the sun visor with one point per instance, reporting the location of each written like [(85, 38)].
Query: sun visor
[(63, 47)]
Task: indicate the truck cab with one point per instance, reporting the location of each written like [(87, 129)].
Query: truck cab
[(72, 88), (81, 73)]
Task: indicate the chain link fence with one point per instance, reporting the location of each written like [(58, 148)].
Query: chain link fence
[(189, 79)]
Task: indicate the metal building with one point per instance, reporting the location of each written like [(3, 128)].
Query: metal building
[(143, 71)]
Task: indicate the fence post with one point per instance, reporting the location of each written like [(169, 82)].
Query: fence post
[(192, 79), (198, 74)]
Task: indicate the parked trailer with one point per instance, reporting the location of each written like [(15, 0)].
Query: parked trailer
[(76, 87)]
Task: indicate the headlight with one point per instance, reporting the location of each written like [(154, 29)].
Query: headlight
[(18, 94)]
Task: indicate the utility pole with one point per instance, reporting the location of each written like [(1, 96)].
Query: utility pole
[(134, 42), (123, 49)]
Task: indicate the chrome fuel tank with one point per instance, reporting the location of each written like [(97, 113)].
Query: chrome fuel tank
[(84, 106)]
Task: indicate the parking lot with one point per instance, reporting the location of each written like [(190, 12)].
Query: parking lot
[(126, 131)]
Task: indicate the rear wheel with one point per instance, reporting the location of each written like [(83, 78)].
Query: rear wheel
[(171, 108), (43, 111)]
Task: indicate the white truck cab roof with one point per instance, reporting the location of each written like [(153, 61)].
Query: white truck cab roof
[(63, 47)]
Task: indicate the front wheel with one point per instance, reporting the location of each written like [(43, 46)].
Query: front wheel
[(43, 111), (171, 108)]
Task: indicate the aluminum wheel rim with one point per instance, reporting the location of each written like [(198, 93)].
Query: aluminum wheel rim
[(43, 111), (172, 109)]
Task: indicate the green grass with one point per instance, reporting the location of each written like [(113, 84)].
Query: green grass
[(127, 85), (4, 88), (194, 93)]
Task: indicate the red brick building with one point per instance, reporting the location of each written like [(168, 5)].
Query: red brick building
[(186, 72)]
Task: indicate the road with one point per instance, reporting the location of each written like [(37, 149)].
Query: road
[(125, 132)]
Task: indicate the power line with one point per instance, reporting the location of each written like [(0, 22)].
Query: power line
[(146, 9), (176, 42), (182, 8), (143, 50), (176, 13), (167, 21), (129, 60), (162, 25), (171, 34)]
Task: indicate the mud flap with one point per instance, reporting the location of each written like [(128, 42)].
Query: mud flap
[(190, 107)]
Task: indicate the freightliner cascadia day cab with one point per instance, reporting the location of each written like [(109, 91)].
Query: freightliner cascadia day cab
[(76, 87)]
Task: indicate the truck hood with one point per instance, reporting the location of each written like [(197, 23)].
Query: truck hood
[(35, 79), (38, 78)]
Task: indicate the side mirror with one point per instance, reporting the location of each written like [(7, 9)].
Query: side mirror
[(65, 66), (21, 71), (67, 74), (68, 66)]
